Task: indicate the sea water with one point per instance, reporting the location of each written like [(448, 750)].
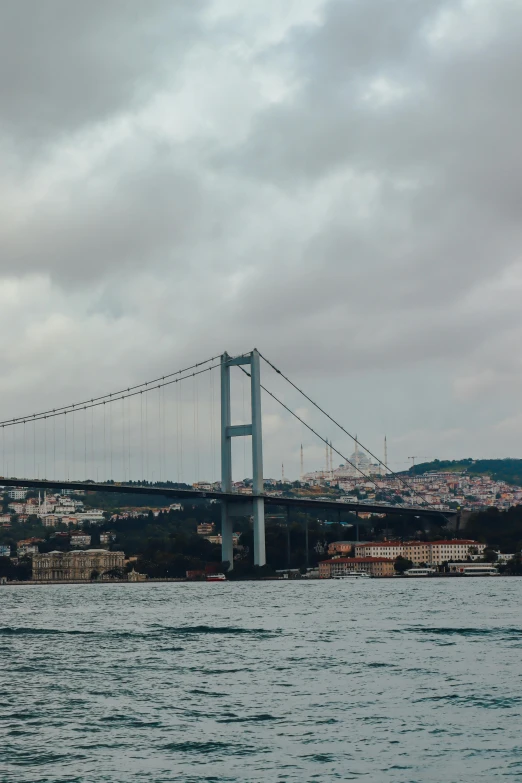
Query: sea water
[(382, 680)]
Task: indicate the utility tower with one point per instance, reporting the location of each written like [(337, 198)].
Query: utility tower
[(255, 506)]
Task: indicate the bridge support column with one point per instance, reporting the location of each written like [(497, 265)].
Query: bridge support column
[(257, 462), (242, 430), (227, 550)]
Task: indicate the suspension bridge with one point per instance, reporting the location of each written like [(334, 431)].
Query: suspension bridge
[(184, 424)]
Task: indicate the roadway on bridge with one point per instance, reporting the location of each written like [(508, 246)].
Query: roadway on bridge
[(188, 494)]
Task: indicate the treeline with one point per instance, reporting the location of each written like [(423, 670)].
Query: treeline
[(501, 530), (508, 470)]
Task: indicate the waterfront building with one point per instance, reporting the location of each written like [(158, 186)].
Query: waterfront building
[(75, 566), (340, 566), (135, 576), (432, 552), (5, 551), (443, 551)]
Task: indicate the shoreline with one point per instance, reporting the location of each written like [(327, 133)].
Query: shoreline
[(181, 580)]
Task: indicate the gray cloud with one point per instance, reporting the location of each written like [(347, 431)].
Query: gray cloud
[(338, 184), (69, 63)]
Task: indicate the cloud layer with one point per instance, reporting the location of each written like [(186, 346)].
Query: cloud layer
[(334, 181)]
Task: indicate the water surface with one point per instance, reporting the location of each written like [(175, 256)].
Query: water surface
[(385, 680)]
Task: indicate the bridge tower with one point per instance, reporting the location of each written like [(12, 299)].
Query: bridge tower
[(256, 505)]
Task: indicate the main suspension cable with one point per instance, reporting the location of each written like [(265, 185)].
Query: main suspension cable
[(64, 408), (325, 441), (354, 438)]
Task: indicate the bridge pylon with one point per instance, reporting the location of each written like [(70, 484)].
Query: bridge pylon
[(228, 431)]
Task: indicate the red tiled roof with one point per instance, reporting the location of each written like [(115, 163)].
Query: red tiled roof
[(358, 560)]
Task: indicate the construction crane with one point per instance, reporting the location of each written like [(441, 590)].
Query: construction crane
[(413, 463)]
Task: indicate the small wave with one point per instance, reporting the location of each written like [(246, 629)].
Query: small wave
[(465, 631), (249, 719), (129, 720), (27, 631), (378, 665), (207, 747), (216, 629), (490, 703)]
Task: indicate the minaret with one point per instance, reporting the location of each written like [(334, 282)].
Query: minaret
[(283, 472), (327, 458), (302, 464), (331, 459), (385, 453), (356, 453)]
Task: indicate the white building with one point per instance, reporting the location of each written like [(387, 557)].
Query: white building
[(80, 540), (26, 549), (17, 493)]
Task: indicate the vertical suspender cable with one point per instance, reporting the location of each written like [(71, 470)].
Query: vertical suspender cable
[(163, 437), (181, 435), (244, 422), (73, 464), (84, 443), (123, 451), (129, 413), (159, 434), (24, 457), (54, 447), (198, 474), (111, 477), (211, 409), (176, 403), (45, 447), (147, 435), (34, 449), (141, 436), (92, 438), (65, 466), (194, 421), (104, 445)]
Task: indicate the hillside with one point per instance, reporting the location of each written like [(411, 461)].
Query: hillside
[(508, 470)]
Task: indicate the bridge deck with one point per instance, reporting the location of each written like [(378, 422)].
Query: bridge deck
[(180, 494)]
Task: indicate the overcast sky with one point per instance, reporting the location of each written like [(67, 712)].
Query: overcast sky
[(337, 182)]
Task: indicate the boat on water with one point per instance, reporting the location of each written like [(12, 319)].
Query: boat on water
[(216, 578), (420, 572), (480, 571), (353, 575)]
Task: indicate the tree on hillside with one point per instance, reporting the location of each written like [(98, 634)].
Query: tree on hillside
[(402, 564)]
